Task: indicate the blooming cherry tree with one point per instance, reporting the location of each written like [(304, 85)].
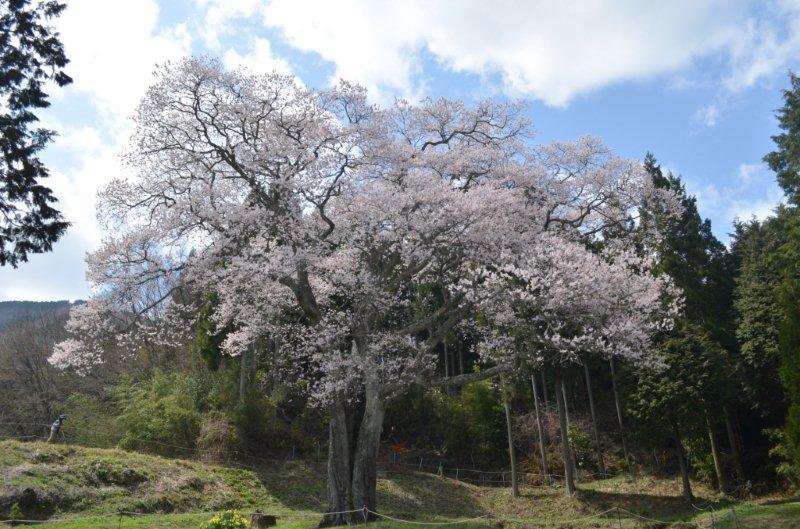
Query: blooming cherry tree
[(357, 237)]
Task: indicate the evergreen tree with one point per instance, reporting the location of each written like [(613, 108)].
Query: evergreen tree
[(31, 55), (758, 315), (785, 159), (696, 354)]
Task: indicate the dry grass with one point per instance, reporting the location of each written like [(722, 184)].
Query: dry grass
[(76, 482)]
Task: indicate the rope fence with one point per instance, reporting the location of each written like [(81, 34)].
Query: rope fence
[(487, 518), (487, 478)]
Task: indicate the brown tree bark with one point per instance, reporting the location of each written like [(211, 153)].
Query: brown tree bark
[(365, 459), (339, 468), (733, 441), (681, 455), (712, 439)]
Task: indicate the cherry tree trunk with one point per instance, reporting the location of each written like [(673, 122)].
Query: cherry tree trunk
[(712, 439), (619, 414), (540, 427), (566, 452), (681, 455), (595, 429), (339, 468), (512, 454), (365, 458), (733, 440)]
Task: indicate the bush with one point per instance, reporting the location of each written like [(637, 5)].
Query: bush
[(93, 421), (161, 414), (784, 452), (468, 426), (217, 438), (227, 520)]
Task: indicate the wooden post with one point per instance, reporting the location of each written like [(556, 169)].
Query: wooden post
[(243, 374), (566, 455), (594, 420), (712, 439), (619, 415), (542, 452), (512, 454), (566, 415), (446, 360), (544, 391)]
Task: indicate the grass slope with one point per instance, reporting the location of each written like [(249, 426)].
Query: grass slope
[(80, 487)]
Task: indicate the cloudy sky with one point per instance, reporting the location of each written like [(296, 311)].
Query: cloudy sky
[(695, 82)]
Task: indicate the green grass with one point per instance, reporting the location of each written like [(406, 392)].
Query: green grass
[(80, 487)]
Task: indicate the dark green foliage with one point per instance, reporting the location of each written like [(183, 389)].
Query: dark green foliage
[(754, 247), (789, 302), (699, 373), (678, 393), (465, 427), (690, 253), (163, 415), (785, 160), (207, 342), (31, 55)]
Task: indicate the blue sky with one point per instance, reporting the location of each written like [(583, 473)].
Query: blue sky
[(695, 82)]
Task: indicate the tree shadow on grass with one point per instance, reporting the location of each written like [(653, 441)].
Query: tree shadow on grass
[(405, 495), (650, 505), (296, 485)]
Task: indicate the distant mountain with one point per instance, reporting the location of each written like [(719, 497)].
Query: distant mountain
[(11, 311)]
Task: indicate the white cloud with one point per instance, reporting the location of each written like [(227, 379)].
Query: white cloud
[(708, 115), (113, 48), (751, 192), (768, 42), (260, 59), (218, 16), (553, 51)]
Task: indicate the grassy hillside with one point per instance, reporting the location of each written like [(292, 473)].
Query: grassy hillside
[(91, 486)]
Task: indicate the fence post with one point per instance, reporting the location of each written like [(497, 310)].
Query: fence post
[(456, 472), (420, 463), (619, 519)]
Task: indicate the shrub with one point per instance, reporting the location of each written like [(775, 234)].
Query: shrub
[(217, 438), (161, 414), (227, 520)]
